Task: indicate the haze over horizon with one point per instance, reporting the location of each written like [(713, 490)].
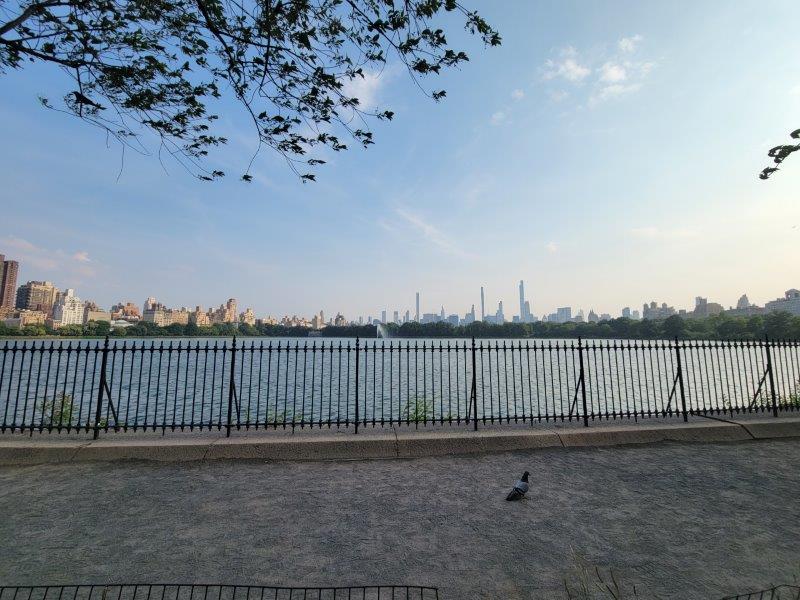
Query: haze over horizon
[(607, 155)]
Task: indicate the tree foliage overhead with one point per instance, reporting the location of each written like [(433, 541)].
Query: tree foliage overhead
[(780, 153), (158, 65)]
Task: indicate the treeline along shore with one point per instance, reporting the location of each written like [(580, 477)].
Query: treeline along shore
[(776, 325)]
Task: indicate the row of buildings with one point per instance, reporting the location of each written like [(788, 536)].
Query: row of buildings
[(42, 303)]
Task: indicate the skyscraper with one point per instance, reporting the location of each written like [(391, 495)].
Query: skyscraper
[(522, 301), (8, 282), (483, 306), (37, 295), (417, 319)]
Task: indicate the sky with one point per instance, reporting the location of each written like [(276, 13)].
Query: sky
[(606, 154)]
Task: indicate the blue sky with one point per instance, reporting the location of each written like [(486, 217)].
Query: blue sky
[(607, 153)]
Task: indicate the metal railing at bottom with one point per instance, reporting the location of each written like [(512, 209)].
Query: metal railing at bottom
[(215, 592), (780, 592)]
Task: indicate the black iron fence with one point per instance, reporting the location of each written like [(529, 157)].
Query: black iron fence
[(95, 386), (215, 592)]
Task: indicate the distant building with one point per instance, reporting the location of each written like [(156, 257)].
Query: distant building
[(605, 317), (635, 315), (744, 302), (703, 308), (339, 320), (789, 303), (564, 314), (178, 317), (92, 312), (8, 282), (199, 317), (654, 311), (469, 317), (248, 317), (24, 318), (499, 316), (127, 312), (593, 318), (626, 312), (157, 313), (68, 310), (525, 315), (37, 295)]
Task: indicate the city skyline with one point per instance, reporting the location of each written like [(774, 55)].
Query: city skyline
[(553, 170), (30, 295)]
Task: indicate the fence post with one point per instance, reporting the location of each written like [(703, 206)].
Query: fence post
[(771, 379), (680, 380), (99, 410), (474, 391), (583, 384), (231, 388), (357, 413)]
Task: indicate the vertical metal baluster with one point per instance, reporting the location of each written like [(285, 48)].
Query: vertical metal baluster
[(166, 391), (313, 378), (294, 385), (303, 402), (185, 383), (771, 378), (277, 383), (347, 395), (21, 424), (10, 385), (2, 377), (269, 383), (391, 384), (339, 387), (215, 351), (330, 386)]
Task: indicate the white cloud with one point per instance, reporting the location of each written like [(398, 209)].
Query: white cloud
[(73, 266), (498, 118), (615, 90), (517, 94), (364, 88), (628, 44), (429, 231), (651, 232), (567, 67), (551, 247), (612, 73)]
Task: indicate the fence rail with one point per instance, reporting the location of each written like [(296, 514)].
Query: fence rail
[(214, 592), (122, 385)]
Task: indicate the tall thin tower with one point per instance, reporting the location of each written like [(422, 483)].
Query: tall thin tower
[(483, 306), (417, 307), (522, 316)]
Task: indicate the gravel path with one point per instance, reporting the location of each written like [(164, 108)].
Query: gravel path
[(678, 520)]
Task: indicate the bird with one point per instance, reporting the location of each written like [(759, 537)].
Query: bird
[(519, 489)]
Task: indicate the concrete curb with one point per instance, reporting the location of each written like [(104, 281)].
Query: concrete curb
[(391, 444)]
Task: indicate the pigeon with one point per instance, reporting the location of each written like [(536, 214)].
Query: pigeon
[(520, 488)]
